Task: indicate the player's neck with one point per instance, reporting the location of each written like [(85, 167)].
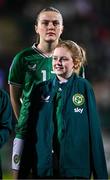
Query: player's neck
[(47, 48)]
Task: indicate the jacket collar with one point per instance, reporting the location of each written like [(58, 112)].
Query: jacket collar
[(55, 81)]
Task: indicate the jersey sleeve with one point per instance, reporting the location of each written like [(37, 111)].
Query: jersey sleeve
[(16, 71)]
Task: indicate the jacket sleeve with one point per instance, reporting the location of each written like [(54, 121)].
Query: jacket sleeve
[(5, 117), (98, 165)]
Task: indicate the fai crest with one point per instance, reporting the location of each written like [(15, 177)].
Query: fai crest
[(78, 99), (16, 158)]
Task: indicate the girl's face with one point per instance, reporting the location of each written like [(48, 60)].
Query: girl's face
[(62, 62), (50, 26)]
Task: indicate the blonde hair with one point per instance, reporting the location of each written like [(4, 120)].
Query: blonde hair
[(77, 52)]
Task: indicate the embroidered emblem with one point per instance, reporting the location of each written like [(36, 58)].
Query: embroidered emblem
[(16, 158), (32, 67), (59, 89), (46, 99), (78, 99)]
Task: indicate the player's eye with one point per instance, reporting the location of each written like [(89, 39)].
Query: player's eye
[(56, 23), (45, 23)]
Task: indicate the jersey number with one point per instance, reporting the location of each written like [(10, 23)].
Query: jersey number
[(44, 75)]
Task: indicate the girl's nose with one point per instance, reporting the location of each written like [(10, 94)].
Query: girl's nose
[(59, 61)]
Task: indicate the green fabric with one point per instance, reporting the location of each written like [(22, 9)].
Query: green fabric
[(28, 67), (82, 72), (58, 114), (81, 147), (5, 120), (5, 117)]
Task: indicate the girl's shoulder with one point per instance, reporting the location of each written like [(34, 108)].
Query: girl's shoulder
[(84, 82)]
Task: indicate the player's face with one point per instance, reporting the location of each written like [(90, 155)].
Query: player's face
[(62, 62), (49, 26)]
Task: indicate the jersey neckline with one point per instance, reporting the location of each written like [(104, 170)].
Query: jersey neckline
[(39, 51)]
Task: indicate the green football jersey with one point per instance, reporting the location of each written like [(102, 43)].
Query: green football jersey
[(28, 67)]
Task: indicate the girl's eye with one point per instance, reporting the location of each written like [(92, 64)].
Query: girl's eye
[(55, 58), (64, 59), (60, 59)]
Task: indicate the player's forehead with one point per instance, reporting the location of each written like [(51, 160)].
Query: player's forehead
[(50, 16)]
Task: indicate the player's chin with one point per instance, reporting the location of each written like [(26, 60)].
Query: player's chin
[(51, 39)]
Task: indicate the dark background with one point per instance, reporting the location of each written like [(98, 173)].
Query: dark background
[(85, 21)]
